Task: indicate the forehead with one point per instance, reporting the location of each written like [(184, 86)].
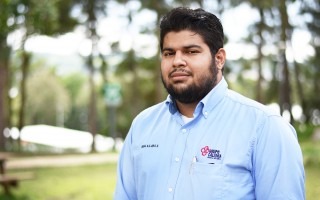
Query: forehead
[(182, 38)]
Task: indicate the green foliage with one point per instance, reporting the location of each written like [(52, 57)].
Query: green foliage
[(74, 84), (7, 14), (46, 17), (40, 16), (65, 21), (311, 153), (76, 87), (304, 131), (47, 98)]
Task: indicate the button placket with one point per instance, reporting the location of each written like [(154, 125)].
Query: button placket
[(177, 154)]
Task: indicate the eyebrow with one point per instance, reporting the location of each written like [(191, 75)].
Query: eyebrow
[(184, 47)]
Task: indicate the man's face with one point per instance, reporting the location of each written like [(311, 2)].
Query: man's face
[(188, 69)]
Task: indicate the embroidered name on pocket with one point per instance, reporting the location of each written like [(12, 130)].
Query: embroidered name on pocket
[(149, 145)]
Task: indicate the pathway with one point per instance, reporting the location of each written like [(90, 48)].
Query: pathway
[(60, 160)]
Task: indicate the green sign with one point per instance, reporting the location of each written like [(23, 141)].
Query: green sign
[(112, 94)]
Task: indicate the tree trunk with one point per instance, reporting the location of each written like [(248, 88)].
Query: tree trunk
[(4, 72), (300, 95), (92, 103), (23, 94), (91, 25), (259, 97), (285, 90)]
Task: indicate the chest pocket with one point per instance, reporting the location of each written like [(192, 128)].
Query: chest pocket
[(218, 181), (208, 181)]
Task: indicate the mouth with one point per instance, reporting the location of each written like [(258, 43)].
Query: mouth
[(179, 73)]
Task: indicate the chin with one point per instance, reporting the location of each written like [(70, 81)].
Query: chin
[(180, 87)]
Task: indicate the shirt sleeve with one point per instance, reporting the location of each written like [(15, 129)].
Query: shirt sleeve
[(277, 162), (125, 187)]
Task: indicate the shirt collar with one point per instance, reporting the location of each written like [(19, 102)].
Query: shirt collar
[(212, 98), (171, 104), (207, 103)]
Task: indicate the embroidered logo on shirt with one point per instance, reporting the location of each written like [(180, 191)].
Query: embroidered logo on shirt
[(211, 153), (149, 145)]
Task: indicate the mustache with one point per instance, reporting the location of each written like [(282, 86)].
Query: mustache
[(179, 70)]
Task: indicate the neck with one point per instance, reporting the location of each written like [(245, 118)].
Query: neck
[(186, 109)]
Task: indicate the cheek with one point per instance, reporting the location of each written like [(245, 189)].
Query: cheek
[(200, 73), (164, 69)]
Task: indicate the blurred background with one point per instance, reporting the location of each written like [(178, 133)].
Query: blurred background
[(74, 74)]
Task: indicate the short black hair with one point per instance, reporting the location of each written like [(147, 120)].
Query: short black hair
[(206, 24)]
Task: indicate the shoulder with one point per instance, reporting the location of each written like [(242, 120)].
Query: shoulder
[(264, 117), (151, 114), (143, 124), (150, 111), (251, 104)]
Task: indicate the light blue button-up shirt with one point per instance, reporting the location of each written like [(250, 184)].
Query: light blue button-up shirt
[(234, 148)]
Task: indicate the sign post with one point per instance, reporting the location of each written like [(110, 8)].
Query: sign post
[(112, 94), (113, 99)]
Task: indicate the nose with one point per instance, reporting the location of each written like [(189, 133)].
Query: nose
[(179, 59)]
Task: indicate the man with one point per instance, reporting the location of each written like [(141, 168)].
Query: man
[(205, 141)]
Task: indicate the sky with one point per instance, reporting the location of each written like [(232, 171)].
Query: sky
[(235, 21)]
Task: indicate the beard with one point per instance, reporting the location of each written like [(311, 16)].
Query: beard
[(195, 92)]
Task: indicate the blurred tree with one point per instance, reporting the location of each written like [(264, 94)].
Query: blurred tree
[(136, 100), (131, 66), (52, 104), (49, 17), (286, 29), (46, 18), (256, 36), (76, 85), (311, 82), (7, 25), (92, 10), (277, 27)]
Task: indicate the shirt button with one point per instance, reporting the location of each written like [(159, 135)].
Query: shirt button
[(170, 189), (177, 159), (184, 130)]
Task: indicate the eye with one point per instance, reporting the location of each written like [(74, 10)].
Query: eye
[(192, 52), (168, 53)]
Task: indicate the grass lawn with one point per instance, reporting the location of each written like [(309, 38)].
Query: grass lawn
[(312, 182), (90, 182), (311, 155)]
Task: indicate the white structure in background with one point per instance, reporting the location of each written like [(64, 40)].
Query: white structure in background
[(57, 137), (63, 138), (103, 143)]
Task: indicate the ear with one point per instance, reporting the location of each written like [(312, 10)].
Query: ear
[(220, 58)]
